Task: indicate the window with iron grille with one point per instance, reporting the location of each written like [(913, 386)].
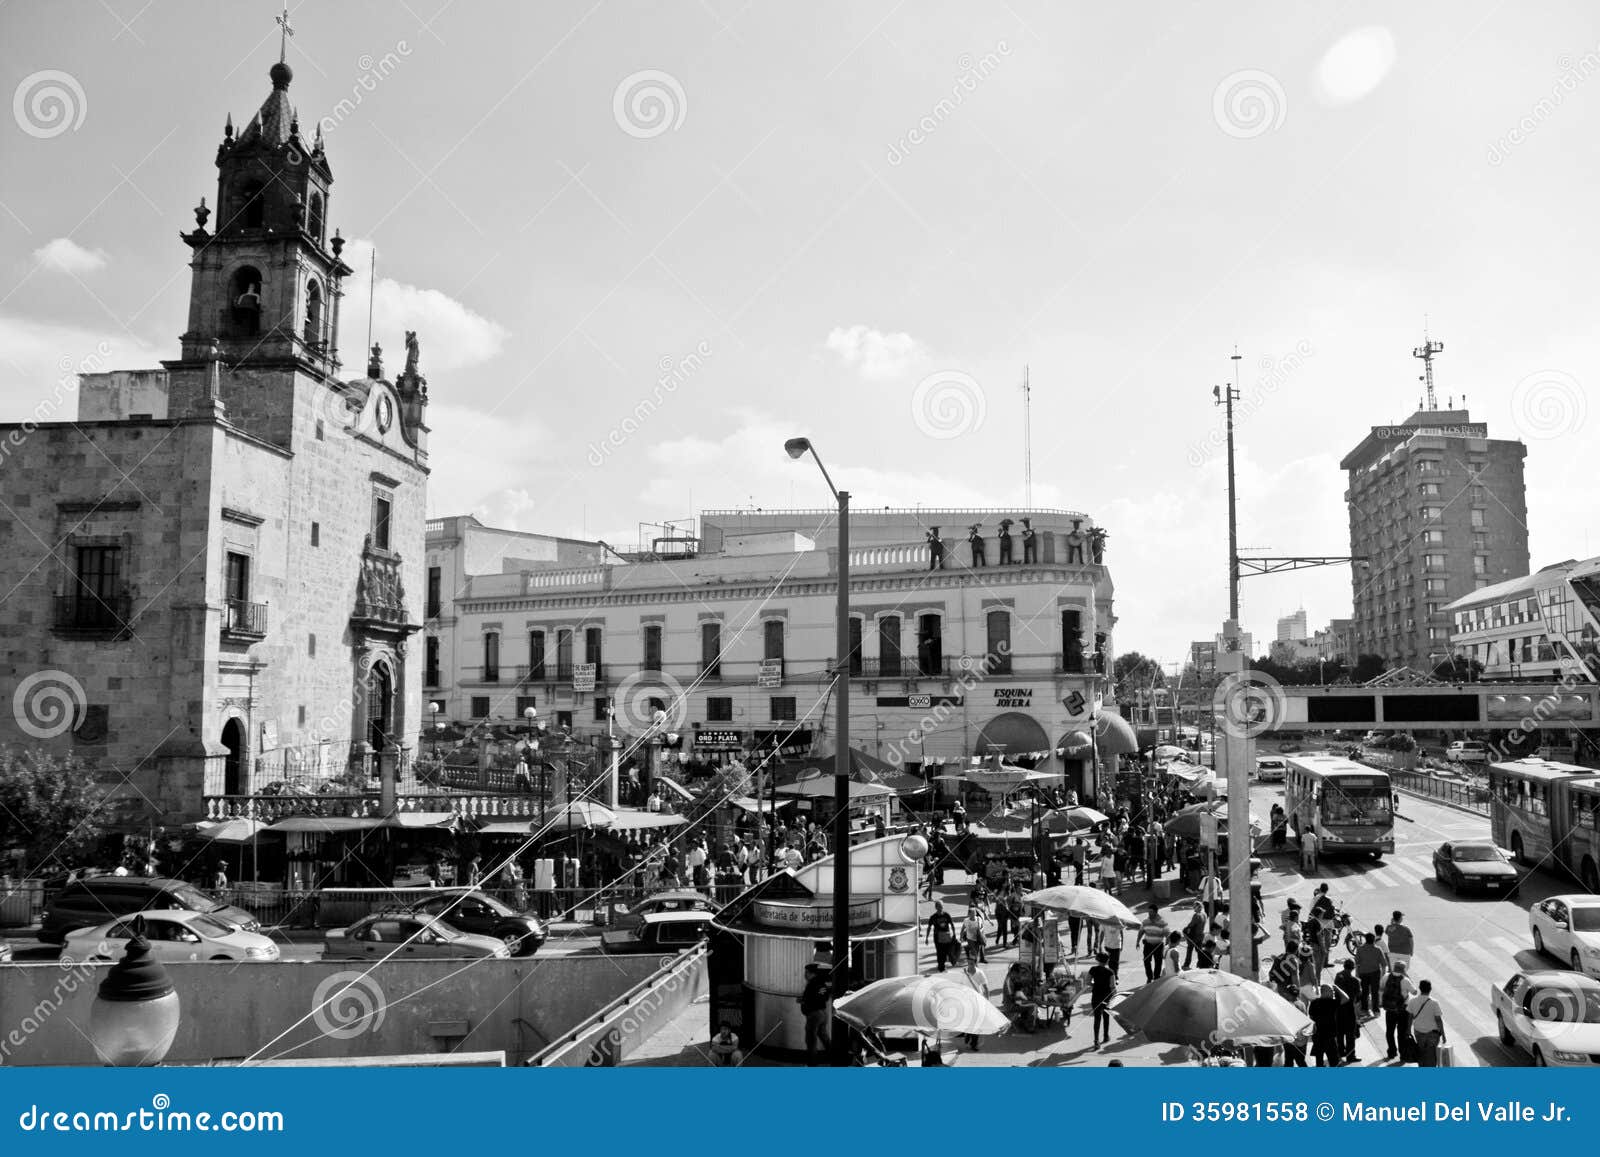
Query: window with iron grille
[(652, 647), (719, 709), (711, 650), (781, 709)]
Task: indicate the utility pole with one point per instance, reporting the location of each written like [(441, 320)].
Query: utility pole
[(1237, 747)]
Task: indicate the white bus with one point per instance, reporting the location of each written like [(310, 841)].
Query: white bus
[(1349, 805)]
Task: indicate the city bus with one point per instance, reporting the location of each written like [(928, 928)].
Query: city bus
[(1349, 805), (1547, 814)]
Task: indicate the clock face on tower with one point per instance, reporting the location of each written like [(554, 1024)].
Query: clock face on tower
[(385, 413)]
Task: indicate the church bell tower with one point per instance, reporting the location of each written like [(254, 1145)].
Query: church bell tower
[(267, 283)]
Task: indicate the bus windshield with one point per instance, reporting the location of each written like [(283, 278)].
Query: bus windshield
[(1348, 803)]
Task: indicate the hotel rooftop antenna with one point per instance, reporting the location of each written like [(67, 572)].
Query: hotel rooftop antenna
[(1027, 441), (372, 293), (1427, 351)]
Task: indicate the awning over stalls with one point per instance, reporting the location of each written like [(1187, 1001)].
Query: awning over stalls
[(1114, 735), (1075, 745), (423, 820), (745, 803), (507, 827), (822, 787), (234, 831), (864, 768), (747, 926), (626, 821), (326, 824), (1000, 780), (1012, 733)]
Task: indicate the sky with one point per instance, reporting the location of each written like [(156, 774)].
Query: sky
[(643, 245)]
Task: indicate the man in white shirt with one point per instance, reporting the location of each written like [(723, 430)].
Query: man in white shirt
[(1111, 943), (1427, 1024)]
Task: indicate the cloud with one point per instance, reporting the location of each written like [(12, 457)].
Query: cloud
[(452, 336), (40, 362), (874, 354), (64, 255)]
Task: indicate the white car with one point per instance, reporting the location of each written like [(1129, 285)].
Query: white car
[(174, 937), (1568, 928), (1271, 770), (1553, 1016), (1467, 751)]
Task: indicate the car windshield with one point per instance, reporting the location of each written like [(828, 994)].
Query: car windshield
[(1567, 1005), (193, 899), (1356, 805), (206, 926), (1476, 855), (496, 906), (1586, 919)]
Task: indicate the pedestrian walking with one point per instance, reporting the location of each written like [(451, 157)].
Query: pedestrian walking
[(817, 1008), (1194, 934), (1397, 993), (1370, 965), (1310, 844), (1108, 869), (1102, 987), (1427, 1024), (942, 932), (1402, 945), (1324, 1013), (1349, 987), (1152, 941), (1172, 959), (1210, 893), (974, 976), (972, 936), (1111, 943)]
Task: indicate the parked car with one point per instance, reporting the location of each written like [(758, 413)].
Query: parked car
[(173, 936), (1568, 928), (1467, 751), (1473, 864), (659, 932), (5, 952), (672, 900), (1553, 1016), (483, 915), (1271, 770), (407, 936), (92, 902)]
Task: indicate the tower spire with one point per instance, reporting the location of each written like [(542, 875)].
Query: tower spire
[(1427, 351), (286, 31)]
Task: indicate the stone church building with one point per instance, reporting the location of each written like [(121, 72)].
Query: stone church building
[(215, 573)]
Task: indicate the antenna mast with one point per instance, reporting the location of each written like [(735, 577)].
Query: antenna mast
[(372, 293), (1427, 351), (1027, 440)]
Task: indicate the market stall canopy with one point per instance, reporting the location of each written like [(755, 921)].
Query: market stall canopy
[(423, 820), (909, 1004), (1205, 1006), (864, 768), (326, 824), (1002, 779), (1186, 772), (582, 814), (1074, 819), (821, 787), (1114, 735), (1079, 900), (1168, 751), (507, 828), (632, 821), (1012, 733), (234, 831)]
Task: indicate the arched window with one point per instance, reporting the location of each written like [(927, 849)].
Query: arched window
[(314, 217), (244, 301), (250, 208), (380, 707), (313, 333)]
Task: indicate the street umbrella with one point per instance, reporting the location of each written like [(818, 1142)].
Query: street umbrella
[(1074, 819), (1168, 751), (1090, 903), (1205, 1006), (932, 1004)]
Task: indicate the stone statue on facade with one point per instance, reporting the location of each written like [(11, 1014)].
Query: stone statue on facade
[(1005, 542), (1075, 541), (1030, 542), (413, 351), (1097, 544), (975, 540), (935, 549)]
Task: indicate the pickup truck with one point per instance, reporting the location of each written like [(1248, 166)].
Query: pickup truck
[(662, 933)]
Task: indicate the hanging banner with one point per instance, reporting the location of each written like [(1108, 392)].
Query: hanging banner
[(582, 677), (770, 673)]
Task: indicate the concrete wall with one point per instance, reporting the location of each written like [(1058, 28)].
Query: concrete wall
[(115, 395), (232, 1011)]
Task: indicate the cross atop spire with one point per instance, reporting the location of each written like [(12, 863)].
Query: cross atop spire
[(282, 22)]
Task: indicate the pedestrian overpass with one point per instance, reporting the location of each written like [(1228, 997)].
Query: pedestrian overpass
[(1445, 707)]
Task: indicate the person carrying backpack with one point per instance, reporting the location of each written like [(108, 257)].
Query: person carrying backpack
[(1397, 990)]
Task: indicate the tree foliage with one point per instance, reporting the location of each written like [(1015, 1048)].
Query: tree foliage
[(51, 808)]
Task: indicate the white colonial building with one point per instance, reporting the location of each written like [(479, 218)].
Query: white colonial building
[(955, 652)]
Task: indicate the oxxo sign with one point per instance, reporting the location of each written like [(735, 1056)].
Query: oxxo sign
[(1013, 696)]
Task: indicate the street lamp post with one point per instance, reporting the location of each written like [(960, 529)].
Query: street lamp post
[(433, 713), (134, 1017), (798, 448)]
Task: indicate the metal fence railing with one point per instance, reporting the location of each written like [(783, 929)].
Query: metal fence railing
[(1472, 796)]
